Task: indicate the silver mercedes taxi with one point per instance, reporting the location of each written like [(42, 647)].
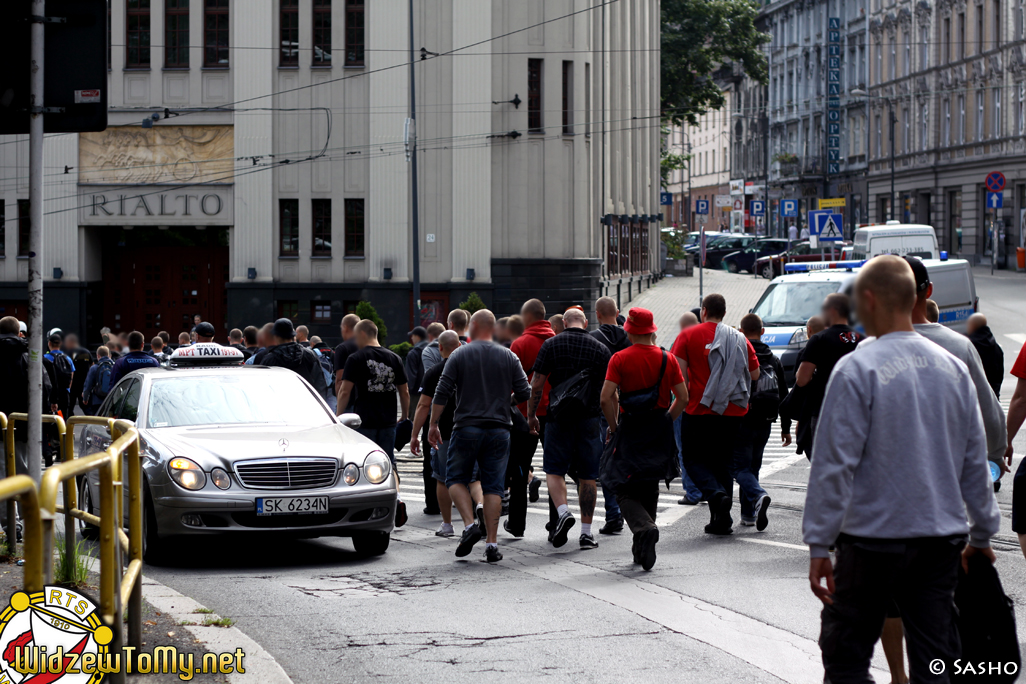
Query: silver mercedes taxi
[(228, 448)]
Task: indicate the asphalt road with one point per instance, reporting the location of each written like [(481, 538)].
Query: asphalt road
[(734, 609)]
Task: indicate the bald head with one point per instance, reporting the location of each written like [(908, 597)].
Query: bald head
[(975, 322), (575, 318), (532, 311), (482, 325), (606, 310), (814, 325), (349, 322), (688, 319), (458, 321), (886, 293), (448, 342)]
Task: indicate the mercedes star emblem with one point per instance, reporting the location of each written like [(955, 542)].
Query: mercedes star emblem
[(283, 443)]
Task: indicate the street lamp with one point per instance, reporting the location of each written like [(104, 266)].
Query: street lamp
[(859, 92)]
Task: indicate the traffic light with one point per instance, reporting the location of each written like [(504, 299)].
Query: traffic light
[(74, 66)]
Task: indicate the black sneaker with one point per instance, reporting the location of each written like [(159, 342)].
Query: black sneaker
[(646, 548), (534, 489), (761, 507), (492, 554), (563, 525), (470, 536), (505, 526), (432, 511), (480, 518), (718, 529), (400, 513), (612, 527), (634, 550), (588, 542)]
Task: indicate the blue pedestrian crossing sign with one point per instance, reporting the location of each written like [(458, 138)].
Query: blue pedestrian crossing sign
[(701, 206), (758, 208), (789, 208), (666, 198), (995, 200), (827, 225)]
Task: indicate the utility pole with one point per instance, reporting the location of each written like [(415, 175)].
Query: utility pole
[(894, 120), (35, 273), (415, 204)]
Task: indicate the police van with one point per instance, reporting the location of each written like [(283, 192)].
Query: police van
[(902, 239), (795, 297)]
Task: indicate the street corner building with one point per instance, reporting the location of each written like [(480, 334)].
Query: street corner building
[(256, 164)]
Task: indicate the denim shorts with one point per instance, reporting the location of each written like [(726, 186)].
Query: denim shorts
[(439, 455), (573, 444), (488, 448)]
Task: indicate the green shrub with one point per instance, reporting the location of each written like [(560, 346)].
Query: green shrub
[(367, 310), (473, 303), (402, 349)]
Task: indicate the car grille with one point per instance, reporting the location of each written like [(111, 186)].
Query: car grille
[(287, 473)]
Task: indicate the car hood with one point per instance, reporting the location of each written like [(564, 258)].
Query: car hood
[(222, 445)]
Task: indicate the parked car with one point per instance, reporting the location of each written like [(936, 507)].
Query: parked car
[(773, 265), (744, 260)]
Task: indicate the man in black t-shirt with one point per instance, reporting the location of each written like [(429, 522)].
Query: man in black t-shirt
[(822, 353), (448, 342), (342, 352)]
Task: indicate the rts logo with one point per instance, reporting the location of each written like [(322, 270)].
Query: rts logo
[(53, 636)]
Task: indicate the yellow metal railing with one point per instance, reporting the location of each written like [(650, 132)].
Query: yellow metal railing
[(40, 508)]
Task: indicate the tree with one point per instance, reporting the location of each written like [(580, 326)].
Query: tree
[(367, 310), (698, 37), (473, 303), (402, 349)]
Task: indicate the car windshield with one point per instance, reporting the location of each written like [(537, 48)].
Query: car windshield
[(792, 303), (236, 397)]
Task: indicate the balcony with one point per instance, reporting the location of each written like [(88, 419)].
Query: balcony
[(792, 166)]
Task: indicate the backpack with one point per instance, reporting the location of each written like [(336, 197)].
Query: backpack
[(326, 368), (765, 399), (62, 369), (569, 399), (104, 370), (646, 399)]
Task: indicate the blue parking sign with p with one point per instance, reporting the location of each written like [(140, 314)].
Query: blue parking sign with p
[(701, 206), (789, 208), (758, 208)]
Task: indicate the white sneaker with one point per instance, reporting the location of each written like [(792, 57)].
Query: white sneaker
[(445, 531)]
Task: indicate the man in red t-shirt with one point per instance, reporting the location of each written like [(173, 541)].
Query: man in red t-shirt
[(646, 450), (524, 444), (718, 399), (1016, 416)]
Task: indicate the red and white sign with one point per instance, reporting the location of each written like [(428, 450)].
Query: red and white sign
[(739, 205), (84, 96)]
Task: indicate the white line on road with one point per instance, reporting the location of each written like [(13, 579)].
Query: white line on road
[(780, 464), (770, 542), (1018, 338)]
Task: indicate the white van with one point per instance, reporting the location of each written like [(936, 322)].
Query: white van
[(903, 239), (954, 290)]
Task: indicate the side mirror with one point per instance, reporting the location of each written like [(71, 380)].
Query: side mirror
[(350, 420)]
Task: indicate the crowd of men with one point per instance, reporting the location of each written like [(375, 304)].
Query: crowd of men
[(899, 424)]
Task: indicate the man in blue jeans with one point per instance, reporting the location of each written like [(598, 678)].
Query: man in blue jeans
[(483, 375)]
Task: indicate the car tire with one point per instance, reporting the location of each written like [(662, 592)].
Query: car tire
[(371, 543), (767, 272), (732, 267), (85, 503), (155, 550)]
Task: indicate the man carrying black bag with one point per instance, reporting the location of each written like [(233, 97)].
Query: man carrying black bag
[(640, 448), (574, 364)]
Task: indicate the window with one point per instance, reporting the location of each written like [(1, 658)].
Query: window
[(946, 54), (907, 66), (947, 123), (321, 312), (879, 60), (996, 40), (892, 65), (534, 95), (24, 227), (354, 228), (979, 115), (924, 48), (355, 41), (322, 32), (997, 128), (979, 30), (215, 33), (288, 217), (176, 34), (321, 227), (924, 126), (961, 36), (289, 33), (879, 137), (1018, 14), (568, 98), (288, 309), (906, 131), (587, 100), (961, 119), (137, 34), (1021, 115)]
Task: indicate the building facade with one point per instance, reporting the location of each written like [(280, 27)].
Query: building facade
[(949, 76), (256, 164)]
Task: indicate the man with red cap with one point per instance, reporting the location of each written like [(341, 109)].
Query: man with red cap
[(640, 449)]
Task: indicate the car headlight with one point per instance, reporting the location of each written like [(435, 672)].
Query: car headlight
[(220, 478), (377, 467), (186, 473), (798, 338), (351, 474)]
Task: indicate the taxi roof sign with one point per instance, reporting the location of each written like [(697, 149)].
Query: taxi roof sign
[(207, 354)]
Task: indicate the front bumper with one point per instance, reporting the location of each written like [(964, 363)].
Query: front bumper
[(350, 510)]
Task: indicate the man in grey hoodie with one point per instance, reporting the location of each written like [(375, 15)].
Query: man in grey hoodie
[(900, 463)]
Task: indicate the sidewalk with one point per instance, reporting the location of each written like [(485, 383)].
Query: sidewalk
[(673, 296)]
